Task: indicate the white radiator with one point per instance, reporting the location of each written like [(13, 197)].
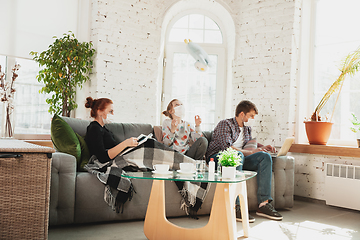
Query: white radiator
[(342, 185)]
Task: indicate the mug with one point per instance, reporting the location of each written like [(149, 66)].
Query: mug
[(161, 167), (187, 167)]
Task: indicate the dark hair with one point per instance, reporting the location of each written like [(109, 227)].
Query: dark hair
[(245, 106), (169, 107), (97, 104)]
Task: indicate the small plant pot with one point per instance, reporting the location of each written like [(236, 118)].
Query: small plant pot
[(228, 172), (318, 133)]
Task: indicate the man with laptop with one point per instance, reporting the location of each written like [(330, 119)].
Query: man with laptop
[(234, 133)]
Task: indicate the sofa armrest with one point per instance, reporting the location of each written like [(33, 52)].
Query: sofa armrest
[(62, 189), (283, 168)]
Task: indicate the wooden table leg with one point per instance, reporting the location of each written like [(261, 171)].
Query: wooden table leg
[(221, 225), (242, 193)]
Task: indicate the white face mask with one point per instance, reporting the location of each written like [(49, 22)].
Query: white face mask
[(109, 119), (179, 111), (250, 123)]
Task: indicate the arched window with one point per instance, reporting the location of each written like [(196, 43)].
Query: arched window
[(199, 28), (201, 92)]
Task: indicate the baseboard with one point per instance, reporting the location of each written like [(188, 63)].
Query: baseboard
[(307, 199)]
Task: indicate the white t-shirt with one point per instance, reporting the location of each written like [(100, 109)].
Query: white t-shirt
[(240, 141)]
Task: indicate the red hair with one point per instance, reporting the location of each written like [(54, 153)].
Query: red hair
[(97, 104)]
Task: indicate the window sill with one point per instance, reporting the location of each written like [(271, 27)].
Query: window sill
[(326, 150), (45, 143), (38, 139)]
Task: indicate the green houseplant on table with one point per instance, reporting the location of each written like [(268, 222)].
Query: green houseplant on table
[(66, 65), (318, 131), (229, 160)]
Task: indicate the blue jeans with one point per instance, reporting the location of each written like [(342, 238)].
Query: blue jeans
[(261, 162)]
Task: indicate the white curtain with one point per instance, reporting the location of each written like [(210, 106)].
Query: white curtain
[(30, 25)]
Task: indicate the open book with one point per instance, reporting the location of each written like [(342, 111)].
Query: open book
[(141, 139)]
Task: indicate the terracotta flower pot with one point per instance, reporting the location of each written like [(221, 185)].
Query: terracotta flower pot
[(318, 133)]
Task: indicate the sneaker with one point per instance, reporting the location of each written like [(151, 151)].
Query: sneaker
[(238, 215), (269, 211)]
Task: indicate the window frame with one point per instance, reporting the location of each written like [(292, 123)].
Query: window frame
[(226, 85), (305, 100), (10, 61)]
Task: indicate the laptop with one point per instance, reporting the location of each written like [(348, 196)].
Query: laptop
[(284, 148)]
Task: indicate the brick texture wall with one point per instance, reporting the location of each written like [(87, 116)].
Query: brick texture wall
[(265, 58), (127, 37)]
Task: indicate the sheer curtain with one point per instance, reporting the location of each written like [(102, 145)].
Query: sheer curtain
[(30, 25)]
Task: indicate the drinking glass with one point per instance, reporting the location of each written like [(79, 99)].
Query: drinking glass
[(200, 165)]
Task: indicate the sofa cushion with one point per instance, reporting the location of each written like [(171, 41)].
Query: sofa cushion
[(85, 153), (158, 133), (64, 138), (124, 131), (78, 125)]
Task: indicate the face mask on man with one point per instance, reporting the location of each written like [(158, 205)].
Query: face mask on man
[(179, 111), (250, 123)]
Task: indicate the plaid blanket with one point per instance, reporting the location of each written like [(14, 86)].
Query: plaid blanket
[(142, 158)]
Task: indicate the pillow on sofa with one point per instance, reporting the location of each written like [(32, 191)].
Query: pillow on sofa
[(64, 138), (252, 144), (85, 153)]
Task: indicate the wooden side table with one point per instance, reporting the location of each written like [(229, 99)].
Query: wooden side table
[(222, 221), (25, 171)]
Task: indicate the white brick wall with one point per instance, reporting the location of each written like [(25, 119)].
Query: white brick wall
[(127, 37), (265, 56)]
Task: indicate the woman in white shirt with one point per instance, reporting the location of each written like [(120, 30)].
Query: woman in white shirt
[(177, 132)]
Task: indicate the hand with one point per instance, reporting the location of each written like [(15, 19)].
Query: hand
[(269, 148), (131, 142), (257, 150), (174, 125), (197, 120)]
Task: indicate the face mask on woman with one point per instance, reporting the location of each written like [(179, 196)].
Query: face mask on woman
[(109, 119), (179, 111)]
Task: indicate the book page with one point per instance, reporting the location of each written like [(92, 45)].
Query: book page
[(141, 139)]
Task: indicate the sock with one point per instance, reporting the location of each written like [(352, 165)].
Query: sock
[(262, 204)]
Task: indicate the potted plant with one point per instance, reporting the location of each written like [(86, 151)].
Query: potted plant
[(229, 160), (66, 65), (317, 130), (356, 126)]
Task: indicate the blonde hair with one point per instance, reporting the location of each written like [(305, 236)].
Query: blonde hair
[(169, 107)]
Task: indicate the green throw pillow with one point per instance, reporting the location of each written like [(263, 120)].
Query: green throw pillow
[(64, 138), (85, 153)]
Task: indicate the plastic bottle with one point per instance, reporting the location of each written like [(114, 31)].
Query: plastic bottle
[(211, 165)]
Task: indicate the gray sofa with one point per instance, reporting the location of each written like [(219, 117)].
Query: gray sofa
[(77, 197)]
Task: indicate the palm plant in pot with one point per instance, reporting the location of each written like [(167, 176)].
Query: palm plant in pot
[(229, 160), (66, 65), (318, 130)]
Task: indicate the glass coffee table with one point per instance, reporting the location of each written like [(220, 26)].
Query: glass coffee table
[(222, 220)]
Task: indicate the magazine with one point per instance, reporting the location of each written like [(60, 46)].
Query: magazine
[(141, 139)]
